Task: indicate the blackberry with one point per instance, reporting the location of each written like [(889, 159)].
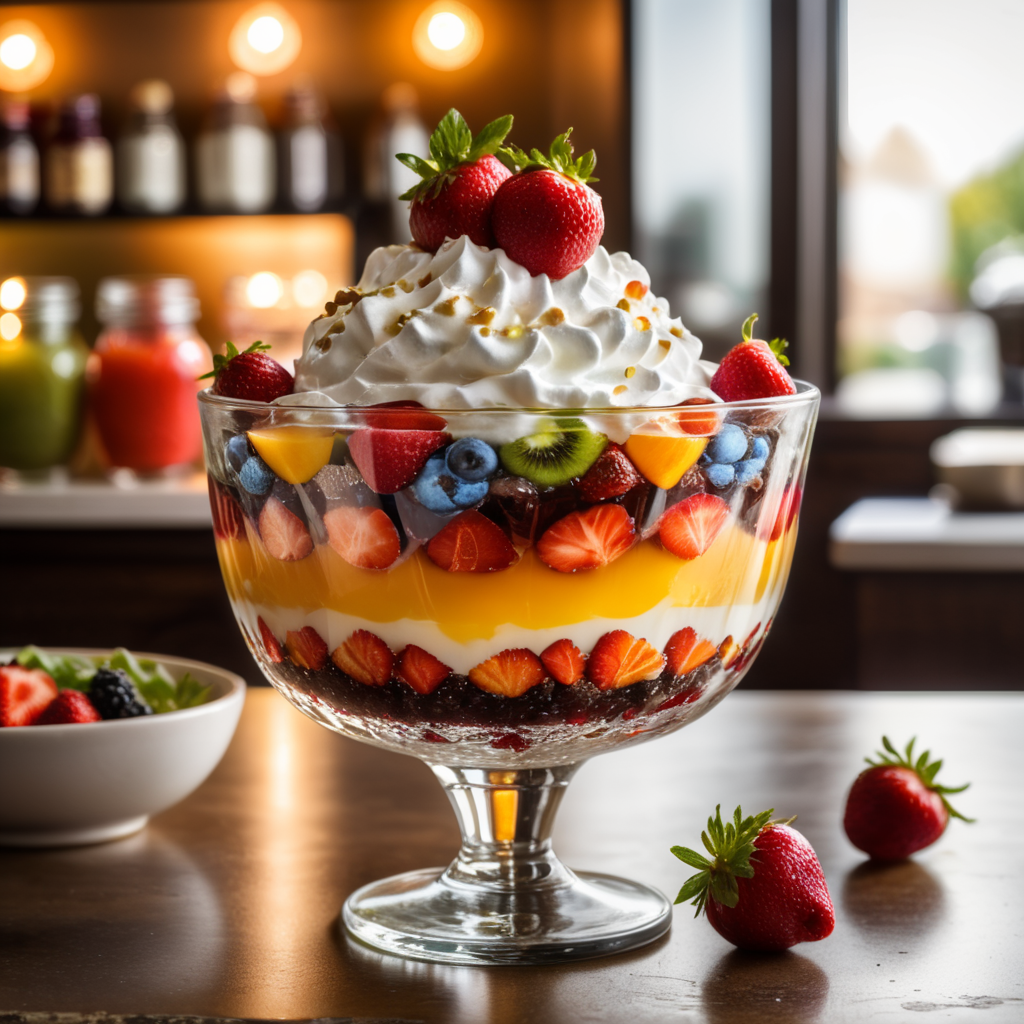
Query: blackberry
[(113, 694)]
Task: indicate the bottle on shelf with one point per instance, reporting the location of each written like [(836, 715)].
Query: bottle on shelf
[(151, 153), (42, 368), (19, 160), (143, 372), (79, 161), (310, 166), (235, 162)]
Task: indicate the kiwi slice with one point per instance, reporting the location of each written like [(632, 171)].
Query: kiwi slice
[(562, 450)]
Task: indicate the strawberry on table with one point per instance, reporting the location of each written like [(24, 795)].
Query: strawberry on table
[(249, 375), (753, 369), (896, 807), (587, 540), (690, 526), (25, 693), (546, 217), (69, 707), (763, 889), (460, 179)]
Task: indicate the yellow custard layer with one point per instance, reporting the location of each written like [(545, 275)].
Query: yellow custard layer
[(736, 569)]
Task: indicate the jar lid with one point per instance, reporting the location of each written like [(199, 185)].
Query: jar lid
[(139, 300), (50, 300)]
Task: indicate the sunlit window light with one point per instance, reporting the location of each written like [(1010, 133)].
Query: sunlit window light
[(448, 35), (10, 326), (264, 290), (309, 287), (265, 40), (26, 58), (12, 293)]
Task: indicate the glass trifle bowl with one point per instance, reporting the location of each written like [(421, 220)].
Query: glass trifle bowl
[(504, 593)]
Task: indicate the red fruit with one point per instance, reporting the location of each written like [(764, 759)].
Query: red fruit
[(620, 659), (249, 375), (365, 657), (611, 476), (460, 179), (586, 540), (564, 661), (895, 807), (421, 670), (702, 422), (25, 693), (787, 511), (511, 741), (471, 543), (390, 459), (753, 369), (686, 651), (690, 526), (306, 648), (728, 651), (69, 707), (764, 888), (509, 674), (364, 537), (404, 415), (284, 534), (545, 217), (228, 522), (271, 646)]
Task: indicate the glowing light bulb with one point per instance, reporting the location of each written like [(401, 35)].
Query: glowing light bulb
[(10, 326), (309, 288), (448, 35), (26, 58), (446, 30), (265, 40), (265, 34), (12, 293), (17, 52), (264, 290)]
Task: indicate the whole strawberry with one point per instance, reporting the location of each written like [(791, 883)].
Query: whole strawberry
[(753, 369), (546, 217), (895, 807), (764, 888), (249, 375), (69, 707), (459, 182)]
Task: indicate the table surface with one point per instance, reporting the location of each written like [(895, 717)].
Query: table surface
[(227, 904)]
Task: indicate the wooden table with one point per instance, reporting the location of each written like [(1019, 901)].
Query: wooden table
[(227, 904)]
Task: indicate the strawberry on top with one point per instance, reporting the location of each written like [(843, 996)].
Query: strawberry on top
[(249, 375), (753, 369), (460, 179)]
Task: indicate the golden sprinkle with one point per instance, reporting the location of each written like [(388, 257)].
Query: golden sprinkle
[(623, 304), (552, 317), (405, 286), (515, 331), (338, 327), (388, 292), (630, 372), (482, 316), (346, 296), (447, 308), (324, 344), (620, 389), (665, 343), (425, 280), (636, 289), (485, 332), (676, 332), (332, 308), (655, 309), (641, 323), (399, 324)]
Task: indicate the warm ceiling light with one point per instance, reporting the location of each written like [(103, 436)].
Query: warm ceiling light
[(265, 40), (264, 290), (448, 35), (309, 288), (26, 58), (10, 327), (12, 293)]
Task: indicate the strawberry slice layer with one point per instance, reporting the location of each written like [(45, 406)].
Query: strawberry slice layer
[(620, 659), (364, 537), (471, 543), (510, 673), (690, 527), (390, 459), (421, 670), (306, 648), (25, 693), (284, 534), (365, 657), (564, 661), (271, 645), (587, 540), (686, 651), (226, 512)]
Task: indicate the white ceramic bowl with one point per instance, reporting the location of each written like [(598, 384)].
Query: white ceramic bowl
[(65, 785)]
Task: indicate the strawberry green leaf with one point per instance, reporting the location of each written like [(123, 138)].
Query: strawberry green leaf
[(691, 857), (489, 138), (424, 168), (778, 346), (747, 330), (220, 361), (559, 159), (925, 770)]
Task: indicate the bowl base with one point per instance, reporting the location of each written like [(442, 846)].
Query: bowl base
[(72, 836), (426, 915)]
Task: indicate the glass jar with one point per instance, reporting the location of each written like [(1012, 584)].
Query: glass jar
[(151, 153), (144, 372), (79, 160), (42, 367), (19, 161), (309, 154)]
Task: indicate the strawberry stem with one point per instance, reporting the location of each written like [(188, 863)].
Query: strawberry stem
[(777, 345), (924, 769), (220, 361), (559, 159)]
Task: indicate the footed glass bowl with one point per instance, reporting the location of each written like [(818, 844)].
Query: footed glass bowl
[(504, 594)]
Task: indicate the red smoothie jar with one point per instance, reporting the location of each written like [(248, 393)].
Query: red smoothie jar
[(143, 372)]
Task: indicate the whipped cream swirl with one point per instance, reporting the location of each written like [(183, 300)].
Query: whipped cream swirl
[(467, 328)]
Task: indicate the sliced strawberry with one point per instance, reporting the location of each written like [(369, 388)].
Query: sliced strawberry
[(364, 537), (69, 707), (620, 659), (687, 695), (406, 416), (228, 523), (421, 670), (510, 673), (789, 506), (686, 651), (511, 741), (586, 540), (306, 648), (611, 476), (564, 661), (271, 646), (690, 527), (728, 651), (696, 420), (284, 534), (471, 543), (365, 657), (390, 459), (25, 693)]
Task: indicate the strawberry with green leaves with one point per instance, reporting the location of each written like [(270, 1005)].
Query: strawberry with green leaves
[(249, 375), (753, 369), (896, 807), (546, 217), (460, 179), (763, 888)]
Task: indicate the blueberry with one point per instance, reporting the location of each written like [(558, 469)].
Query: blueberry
[(760, 449), (748, 470), (256, 476), (719, 475), (438, 490), (728, 445), (471, 459), (236, 451)]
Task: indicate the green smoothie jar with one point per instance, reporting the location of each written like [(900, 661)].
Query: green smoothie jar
[(42, 371)]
